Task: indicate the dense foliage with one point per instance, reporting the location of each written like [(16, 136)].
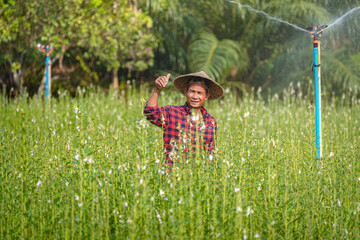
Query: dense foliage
[(105, 42), (92, 167)]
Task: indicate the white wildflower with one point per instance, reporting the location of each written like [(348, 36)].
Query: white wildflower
[(244, 237), (211, 157), (158, 216), (162, 193), (141, 181), (38, 184), (77, 198), (257, 235), (237, 189), (331, 154), (195, 117), (238, 209), (249, 211), (180, 201), (126, 204), (77, 156), (299, 171), (110, 172), (339, 203), (247, 114), (89, 160)]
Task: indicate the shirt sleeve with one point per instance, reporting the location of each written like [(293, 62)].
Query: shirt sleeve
[(157, 116)]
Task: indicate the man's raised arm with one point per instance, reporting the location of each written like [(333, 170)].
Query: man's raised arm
[(160, 83)]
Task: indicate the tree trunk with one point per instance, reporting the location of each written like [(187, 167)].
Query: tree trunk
[(115, 79), (42, 84), (61, 58)]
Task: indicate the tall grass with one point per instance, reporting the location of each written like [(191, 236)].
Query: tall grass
[(92, 167)]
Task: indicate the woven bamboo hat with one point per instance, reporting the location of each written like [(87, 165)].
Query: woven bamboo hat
[(215, 90)]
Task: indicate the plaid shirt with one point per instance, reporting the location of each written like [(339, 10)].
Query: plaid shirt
[(180, 128)]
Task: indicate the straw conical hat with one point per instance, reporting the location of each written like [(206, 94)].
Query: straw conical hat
[(215, 90)]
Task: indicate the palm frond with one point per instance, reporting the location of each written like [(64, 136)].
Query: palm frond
[(215, 57), (342, 68)]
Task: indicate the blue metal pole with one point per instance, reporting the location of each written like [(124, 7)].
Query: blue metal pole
[(317, 99), (47, 78), (316, 34)]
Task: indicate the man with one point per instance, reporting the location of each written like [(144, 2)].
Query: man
[(189, 125)]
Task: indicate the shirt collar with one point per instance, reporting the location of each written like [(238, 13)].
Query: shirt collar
[(202, 110)]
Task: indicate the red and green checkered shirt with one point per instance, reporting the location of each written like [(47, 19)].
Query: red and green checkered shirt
[(180, 129)]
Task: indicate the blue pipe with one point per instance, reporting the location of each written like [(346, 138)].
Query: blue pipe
[(317, 94), (47, 78)]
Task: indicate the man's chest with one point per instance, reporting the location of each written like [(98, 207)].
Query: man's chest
[(186, 127)]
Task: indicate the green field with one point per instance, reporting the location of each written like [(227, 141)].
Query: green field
[(91, 167)]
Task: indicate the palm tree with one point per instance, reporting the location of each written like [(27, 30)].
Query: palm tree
[(214, 56), (242, 46)]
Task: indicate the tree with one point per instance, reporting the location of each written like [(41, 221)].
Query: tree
[(277, 53), (115, 33), (14, 40), (120, 38), (214, 56)]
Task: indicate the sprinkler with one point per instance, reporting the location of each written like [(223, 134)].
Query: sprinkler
[(47, 50), (316, 35)]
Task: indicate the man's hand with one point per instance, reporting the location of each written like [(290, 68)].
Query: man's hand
[(161, 82)]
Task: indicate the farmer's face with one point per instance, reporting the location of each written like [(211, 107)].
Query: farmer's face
[(196, 95)]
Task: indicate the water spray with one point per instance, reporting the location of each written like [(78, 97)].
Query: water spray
[(316, 33)]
